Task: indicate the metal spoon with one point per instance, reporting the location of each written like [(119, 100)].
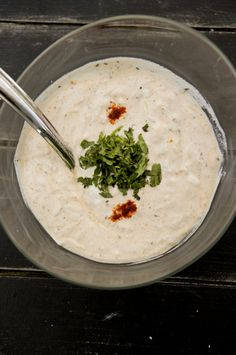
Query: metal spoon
[(11, 93)]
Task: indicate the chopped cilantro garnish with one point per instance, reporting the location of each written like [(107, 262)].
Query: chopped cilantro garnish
[(86, 181), (118, 160), (145, 127), (85, 144), (155, 175)]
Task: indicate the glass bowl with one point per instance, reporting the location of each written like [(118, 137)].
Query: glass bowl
[(178, 48)]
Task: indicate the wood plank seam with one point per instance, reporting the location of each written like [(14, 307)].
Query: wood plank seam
[(231, 28), (174, 280)]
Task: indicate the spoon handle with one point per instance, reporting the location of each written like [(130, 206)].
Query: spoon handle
[(11, 93)]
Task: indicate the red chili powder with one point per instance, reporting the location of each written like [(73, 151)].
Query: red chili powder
[(115, 112), (125, 210)]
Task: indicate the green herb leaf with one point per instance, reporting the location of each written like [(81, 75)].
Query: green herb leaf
[(155, 175), (85, 144), (141, 166), (105, 194), (142, 144), (86, 181), (145, 127)]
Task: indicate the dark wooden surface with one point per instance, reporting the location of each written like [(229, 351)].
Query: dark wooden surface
[(192, 312), (46, 316), (197, 13)]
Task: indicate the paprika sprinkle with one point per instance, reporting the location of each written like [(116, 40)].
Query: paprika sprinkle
[(115, 112), (125, 210)]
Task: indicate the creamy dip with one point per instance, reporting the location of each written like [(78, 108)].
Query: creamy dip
[(180, 137)]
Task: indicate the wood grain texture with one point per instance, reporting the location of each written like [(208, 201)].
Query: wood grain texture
[(197, 13), (27, 41), (58, 318)]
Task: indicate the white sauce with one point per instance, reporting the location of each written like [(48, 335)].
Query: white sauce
[(180, 137)]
